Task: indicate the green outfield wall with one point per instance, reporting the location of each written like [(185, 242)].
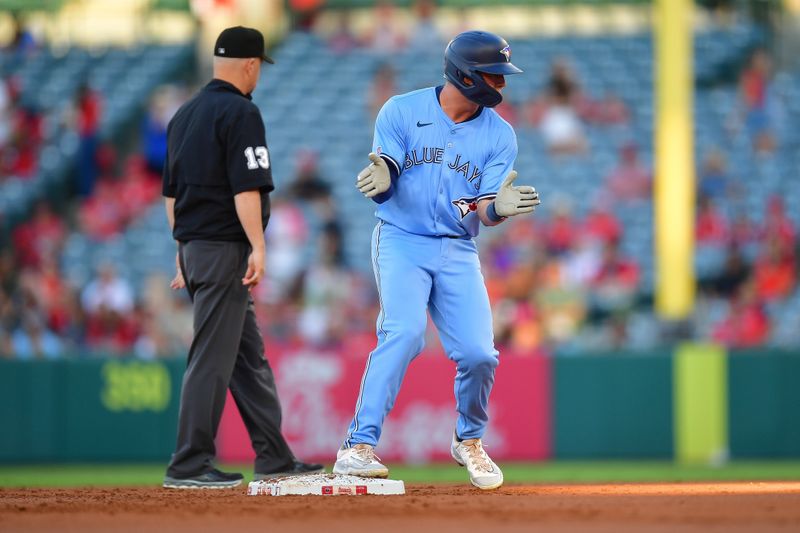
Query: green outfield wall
[(88, 410), (764, 404), (694, 403), (612, 406)]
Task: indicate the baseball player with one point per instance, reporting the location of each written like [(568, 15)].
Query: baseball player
[(441, 164)]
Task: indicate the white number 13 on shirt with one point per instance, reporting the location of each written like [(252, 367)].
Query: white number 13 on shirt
[(257, 158)]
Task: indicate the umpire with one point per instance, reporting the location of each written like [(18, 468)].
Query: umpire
[(216, 184)]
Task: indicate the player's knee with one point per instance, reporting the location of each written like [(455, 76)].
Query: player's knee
[(478, 359), (414, 335), (411, 335)]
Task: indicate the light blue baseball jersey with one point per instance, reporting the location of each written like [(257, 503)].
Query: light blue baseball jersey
[(445, 168)]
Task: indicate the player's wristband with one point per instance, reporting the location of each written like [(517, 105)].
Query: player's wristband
[(382, 197), (385, 195), (491, 212)]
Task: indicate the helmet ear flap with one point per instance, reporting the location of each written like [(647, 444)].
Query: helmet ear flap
[(470, 83), (459, 74)]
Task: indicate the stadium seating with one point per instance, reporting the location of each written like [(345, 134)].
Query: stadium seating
[(49, 80), (313, 98)]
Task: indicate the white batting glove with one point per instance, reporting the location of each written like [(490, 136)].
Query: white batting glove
[(512, 200), (375, 178)]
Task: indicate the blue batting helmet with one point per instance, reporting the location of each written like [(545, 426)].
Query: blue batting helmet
[(471, 53)]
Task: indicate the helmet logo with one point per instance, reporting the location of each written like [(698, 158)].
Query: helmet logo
[(506, 52)]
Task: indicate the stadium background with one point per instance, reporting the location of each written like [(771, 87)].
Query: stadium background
[(92, 340)]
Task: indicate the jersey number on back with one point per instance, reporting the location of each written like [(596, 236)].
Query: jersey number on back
[(257, 158)]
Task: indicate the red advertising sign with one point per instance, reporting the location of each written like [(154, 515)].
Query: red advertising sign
[(318, 392)]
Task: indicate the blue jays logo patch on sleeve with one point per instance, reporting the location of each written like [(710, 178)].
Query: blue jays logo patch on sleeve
[(466, 206)]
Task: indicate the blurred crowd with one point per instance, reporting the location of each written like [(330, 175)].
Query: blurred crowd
[(43, 315), (557, 280)]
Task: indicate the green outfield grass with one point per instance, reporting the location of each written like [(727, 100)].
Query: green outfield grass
[(550, 472)]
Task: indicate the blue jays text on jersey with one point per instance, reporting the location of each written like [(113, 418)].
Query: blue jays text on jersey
[(434, 155), (445, 167)]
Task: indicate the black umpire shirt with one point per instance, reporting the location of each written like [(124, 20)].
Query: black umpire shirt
[(216, 148)]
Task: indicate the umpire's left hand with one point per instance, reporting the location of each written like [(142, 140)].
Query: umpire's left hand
[(255, 268), (178, 281)]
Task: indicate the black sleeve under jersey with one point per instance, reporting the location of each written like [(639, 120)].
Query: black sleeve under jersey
[(248, 162)]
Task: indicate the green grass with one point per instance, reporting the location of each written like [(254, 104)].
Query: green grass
[(550, 472)]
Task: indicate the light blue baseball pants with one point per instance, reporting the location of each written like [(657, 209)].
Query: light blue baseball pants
[(415, 273)]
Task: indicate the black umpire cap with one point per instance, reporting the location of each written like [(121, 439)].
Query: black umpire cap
[(241, 42)]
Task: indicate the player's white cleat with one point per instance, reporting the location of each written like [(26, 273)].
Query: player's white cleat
[(360, 460), (483, 473)]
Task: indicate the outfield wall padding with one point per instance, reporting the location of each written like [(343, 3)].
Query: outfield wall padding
[(88, 410), (612, 406), (602, 406), (764, 404)]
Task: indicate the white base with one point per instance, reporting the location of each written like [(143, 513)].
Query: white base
[(325, 485)]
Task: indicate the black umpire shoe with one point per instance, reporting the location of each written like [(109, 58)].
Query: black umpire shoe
[(215, 479), (298, 469)]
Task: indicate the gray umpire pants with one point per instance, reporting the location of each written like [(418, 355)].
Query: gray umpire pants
[(227, 352)]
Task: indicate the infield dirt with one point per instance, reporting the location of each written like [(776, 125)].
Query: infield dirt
[(729, 507)]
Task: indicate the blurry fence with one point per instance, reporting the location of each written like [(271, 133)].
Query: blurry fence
[(619, 406)]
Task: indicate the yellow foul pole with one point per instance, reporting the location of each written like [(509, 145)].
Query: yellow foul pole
[(674, 160)]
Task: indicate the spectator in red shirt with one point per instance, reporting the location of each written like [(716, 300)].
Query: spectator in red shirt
[(137, 188), (24, 161), (562, 230), (601, 224), (747, 323), (108, 301), (754, 95), (711, 226), (743, 231), (616, 282), (42, 235), (609, 111), (777, 224), (19, 151), (89, 112), (630, 180), (616, 269), (774, 271), (27, 140), (102, 215), (111, 333)]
